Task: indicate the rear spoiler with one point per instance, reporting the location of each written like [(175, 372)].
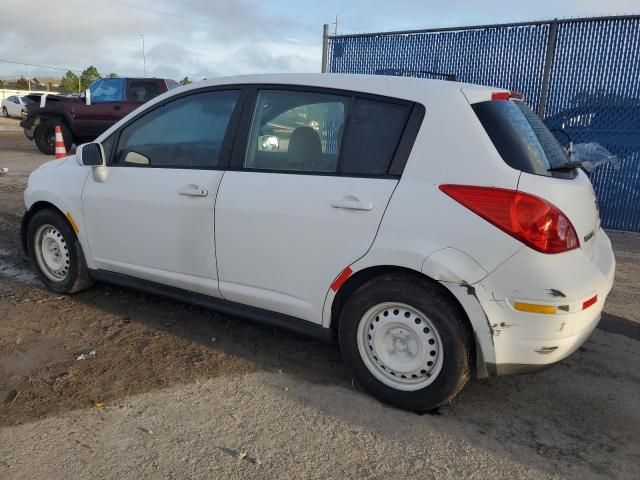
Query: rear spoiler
[(484, 94)]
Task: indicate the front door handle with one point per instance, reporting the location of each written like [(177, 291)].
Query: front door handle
[(117, 107), (193, 191), (351, 203)]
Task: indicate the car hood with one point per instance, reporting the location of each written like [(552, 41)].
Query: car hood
[(58, 162)]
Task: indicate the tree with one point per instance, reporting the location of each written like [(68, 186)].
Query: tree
[(22, 84), (113, 75), (88, 76), (69, 83), (1, 83), (185, 81)]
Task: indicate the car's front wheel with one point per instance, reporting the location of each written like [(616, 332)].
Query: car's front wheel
[(56, 252), (406, 342)]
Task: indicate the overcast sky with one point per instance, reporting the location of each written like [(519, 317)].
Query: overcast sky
[(209, 38)]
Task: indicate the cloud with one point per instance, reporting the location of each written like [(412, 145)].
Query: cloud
[(197, 38), (208, 38)]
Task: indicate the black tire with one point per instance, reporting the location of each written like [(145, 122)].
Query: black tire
[(77, 277), (5, 112), (44, 136), (445, 315)]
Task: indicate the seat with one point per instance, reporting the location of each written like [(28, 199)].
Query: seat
[(305, 149)]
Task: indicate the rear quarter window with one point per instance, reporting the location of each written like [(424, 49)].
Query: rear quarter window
[(520, 137)]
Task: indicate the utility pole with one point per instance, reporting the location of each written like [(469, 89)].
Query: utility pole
[(26, 54), (144, 58), (325, 46), (335, 31)]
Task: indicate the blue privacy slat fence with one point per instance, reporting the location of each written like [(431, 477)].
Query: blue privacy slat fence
[(580, 75)]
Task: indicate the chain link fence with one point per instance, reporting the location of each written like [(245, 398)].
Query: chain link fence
[(582, 76)]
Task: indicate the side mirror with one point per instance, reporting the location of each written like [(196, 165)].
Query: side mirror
[(92, 154), (87, 97)]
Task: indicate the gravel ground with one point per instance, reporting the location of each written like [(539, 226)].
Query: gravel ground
[(179, 392)]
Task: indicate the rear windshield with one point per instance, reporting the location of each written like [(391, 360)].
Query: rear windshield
[(522, 140)]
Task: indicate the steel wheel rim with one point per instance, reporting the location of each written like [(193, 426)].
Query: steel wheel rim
[(400, 346), (52, 253)]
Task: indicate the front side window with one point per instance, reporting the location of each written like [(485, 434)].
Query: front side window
[(107, 90), (296, 131), (185, 133)]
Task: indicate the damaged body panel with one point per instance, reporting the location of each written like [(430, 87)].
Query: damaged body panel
[(516, 341)]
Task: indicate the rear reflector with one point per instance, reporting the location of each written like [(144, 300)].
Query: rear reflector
[(527, 218), (337, 283), (589, 302), (535, 308)]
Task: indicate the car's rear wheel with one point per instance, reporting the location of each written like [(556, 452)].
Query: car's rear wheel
[(45, 136), (56, 252), (406, 342), (5, 112)]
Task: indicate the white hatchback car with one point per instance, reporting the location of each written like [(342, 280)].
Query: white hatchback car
[(435, 228)]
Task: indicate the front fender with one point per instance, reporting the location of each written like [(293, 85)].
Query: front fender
[(61, 188)]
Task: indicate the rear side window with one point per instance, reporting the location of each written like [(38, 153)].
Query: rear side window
[(372, 138), (296, 131), (142, 91), (324, 133), (520, 137)]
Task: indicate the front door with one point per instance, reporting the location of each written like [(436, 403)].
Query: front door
[(107, 102), (153, 217), (303, 203)]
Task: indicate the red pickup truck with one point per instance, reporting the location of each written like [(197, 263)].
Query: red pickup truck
[(83, 117)]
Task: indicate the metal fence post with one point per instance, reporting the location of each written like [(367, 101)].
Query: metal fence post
[(325, 46), (548, 65)]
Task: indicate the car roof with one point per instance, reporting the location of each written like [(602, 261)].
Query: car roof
[(409, 88)]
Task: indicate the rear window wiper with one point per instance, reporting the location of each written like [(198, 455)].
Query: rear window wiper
[(572, 165)]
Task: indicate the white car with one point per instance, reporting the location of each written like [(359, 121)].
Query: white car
[(436, 229), (12, 106)]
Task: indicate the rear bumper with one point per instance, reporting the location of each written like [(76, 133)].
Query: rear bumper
[(522, 342)]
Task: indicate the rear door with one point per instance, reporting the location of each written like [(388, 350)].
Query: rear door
[(305, 195)]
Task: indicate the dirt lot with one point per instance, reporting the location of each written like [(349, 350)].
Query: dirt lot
[(178, 392)]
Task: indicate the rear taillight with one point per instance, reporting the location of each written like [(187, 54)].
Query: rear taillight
[(530, 219)]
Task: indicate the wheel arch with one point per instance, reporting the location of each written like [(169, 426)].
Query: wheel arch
[(361, 277), (61, 116), (28, 215)]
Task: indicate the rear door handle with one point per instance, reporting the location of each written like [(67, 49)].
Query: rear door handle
[(193, 191), (351, 203), (117, 107)]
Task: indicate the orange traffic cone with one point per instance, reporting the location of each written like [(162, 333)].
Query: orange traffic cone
[(61, 152)]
